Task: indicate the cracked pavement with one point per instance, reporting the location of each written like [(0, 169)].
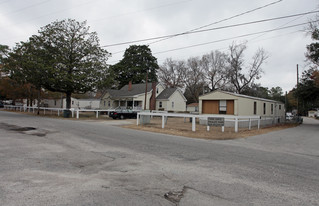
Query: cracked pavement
[(64, 162)]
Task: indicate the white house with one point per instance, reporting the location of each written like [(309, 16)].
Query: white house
[(133, 96), (75, 103), (222, 102)]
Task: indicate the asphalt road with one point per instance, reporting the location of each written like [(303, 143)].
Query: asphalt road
[(65, 162)]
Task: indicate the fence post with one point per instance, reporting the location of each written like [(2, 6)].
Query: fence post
[(259, 123), (236, 124), (193, 124), (163, 122), (137, 118), (58, 112), (77, 114), (208, 128), (97, 114), (249, 127)]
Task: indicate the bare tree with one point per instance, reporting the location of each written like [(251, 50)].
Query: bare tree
[(172, 73), (236, 68), (214, 68), (194, 79)]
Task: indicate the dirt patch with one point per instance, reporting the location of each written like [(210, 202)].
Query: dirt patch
[(179, 127)]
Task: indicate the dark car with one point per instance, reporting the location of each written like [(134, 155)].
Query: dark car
[(123, 114), (1, 104)]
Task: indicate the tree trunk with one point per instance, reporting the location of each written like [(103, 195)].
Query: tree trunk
[(68, 100), (39, 101)]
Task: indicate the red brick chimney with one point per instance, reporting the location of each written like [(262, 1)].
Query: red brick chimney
[(130, 86), (153, 97)]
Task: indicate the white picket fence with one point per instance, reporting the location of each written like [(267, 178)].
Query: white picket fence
[(230, 120), (74, 112)]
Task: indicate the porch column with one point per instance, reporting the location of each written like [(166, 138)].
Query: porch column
[(133, 104)]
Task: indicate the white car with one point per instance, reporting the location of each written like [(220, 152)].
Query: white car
[(289, 116)]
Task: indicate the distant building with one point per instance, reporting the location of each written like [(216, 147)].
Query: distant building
[(193, 107)]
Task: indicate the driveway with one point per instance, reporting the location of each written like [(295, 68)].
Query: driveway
[(64, 162)]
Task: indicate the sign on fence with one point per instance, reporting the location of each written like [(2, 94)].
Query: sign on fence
[(215, 121)]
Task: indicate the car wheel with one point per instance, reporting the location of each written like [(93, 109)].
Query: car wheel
[(122, 117)]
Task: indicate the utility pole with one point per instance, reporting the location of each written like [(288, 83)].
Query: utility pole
[(297, 89), (146, 90)]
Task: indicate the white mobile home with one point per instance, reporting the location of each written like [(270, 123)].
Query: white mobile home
[(222, 102)]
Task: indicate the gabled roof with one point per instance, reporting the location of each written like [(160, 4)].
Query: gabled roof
[(136, 90), (166, 93), (242, 95)]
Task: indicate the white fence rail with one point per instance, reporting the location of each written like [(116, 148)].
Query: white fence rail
[(74, 112), (229, 119)]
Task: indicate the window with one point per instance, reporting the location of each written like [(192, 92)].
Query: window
[(222, 107), (156, 90), (172, 104), (264, 108), (72, 102), (272, 108), (160, 104), (255, 107), (279, 107), (104, 103), (109, 103), (54, 102)]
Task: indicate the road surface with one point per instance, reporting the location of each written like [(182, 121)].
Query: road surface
[(47, 161)]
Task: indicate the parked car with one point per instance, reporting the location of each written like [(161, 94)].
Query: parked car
[(289, 116), (1, 104), (123, 114)]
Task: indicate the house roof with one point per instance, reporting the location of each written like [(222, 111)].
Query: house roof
[(244, 96), (192, 105), (136, 90), (166, 93)]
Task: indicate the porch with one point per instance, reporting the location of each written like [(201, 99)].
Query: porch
[(128, 104)]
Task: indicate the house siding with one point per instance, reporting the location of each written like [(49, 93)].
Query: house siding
[(179, 103), (244, 106)]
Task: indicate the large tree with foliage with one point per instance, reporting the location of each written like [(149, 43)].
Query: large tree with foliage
[(313, 48), (64, 57), (4, 50), (307, 90), (137, 62)]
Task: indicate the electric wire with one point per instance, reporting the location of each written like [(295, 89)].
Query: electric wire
[(211, 29), (220, 21), (226, 39)]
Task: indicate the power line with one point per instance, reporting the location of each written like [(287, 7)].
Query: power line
[(229, 18), (226, 39), (211, 29), (314, 10), (27, 7)]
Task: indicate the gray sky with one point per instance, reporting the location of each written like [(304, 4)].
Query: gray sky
[(118, 21)]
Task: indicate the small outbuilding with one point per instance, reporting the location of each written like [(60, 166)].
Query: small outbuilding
[(193, 107), (228, 103)]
